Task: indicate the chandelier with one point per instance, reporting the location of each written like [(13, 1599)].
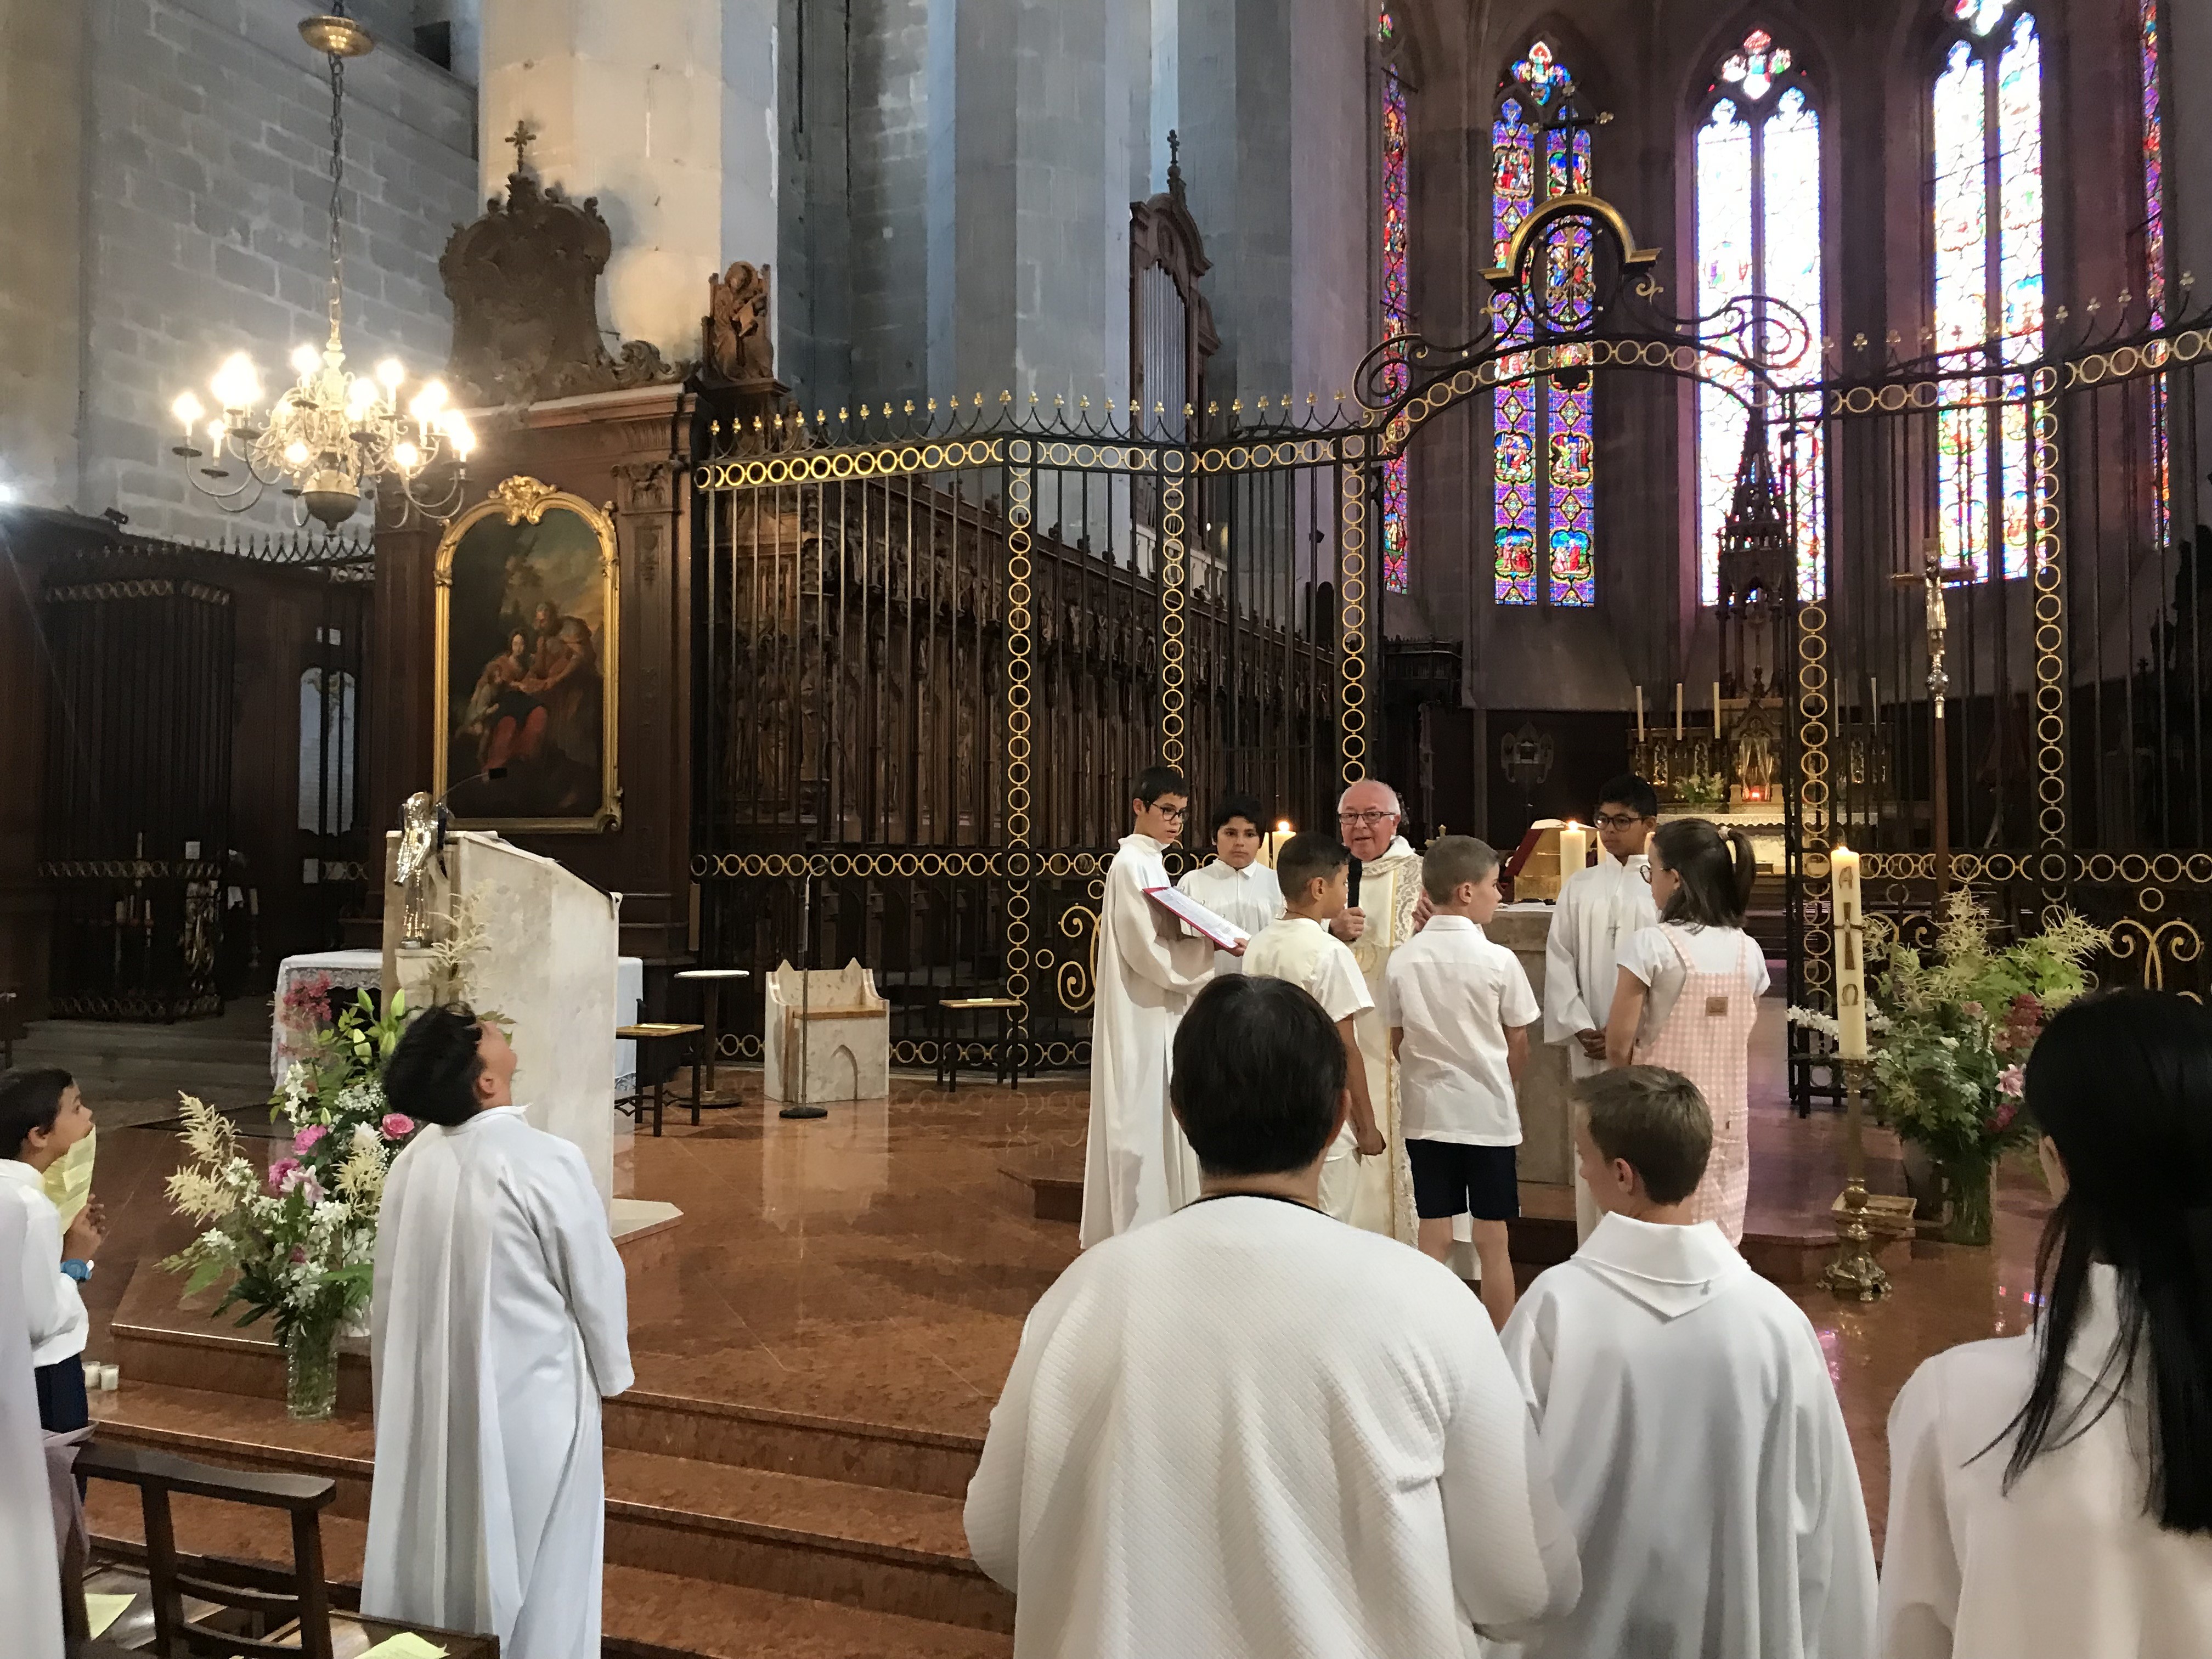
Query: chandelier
[(332, 434)]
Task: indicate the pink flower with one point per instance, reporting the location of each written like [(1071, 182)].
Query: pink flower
[(397, 1126), (305, 1140), (2006, 1112), (1975, 1009), (2012, 1082), (282, 1173), (299, 1254)]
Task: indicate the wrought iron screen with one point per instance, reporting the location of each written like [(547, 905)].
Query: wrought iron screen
[(935, 653)]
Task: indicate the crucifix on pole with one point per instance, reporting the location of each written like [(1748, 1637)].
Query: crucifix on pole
[(1930, 579)]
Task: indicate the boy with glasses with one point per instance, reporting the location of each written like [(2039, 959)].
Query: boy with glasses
[(1138, 1167), (1600, 910)]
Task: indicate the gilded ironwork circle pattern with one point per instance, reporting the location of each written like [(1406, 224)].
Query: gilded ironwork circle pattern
[(1351, 570)]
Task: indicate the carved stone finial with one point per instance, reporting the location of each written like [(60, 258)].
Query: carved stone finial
[(1175, 165), (738, 346), (524, 136)]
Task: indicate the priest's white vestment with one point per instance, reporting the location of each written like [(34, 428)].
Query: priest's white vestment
[(1698, 1451), (1137, 1167), (1601, 908), (498, 1321), (1389, 891), (1248, 1431), (30, 1574)]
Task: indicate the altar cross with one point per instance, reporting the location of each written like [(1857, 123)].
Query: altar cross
[(522, 137), (1930, 579)]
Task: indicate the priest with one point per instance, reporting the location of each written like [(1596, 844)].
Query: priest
[(30, 1576), (1390, 909), (1138, 1167), (498, 1321), (1601, 908)]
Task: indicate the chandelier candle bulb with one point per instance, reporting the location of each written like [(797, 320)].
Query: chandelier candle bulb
[(187, 409), (1851, 954), (1574, 850)]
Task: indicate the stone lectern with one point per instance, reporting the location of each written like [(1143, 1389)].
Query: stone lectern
[(544, 963)]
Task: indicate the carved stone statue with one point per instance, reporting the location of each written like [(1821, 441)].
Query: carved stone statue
[(418, 845), (524, 283), (738, 346)]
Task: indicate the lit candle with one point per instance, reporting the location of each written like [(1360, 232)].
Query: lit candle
[(1574, 850), (1639, 709), (1850, 959), (1678, 711)]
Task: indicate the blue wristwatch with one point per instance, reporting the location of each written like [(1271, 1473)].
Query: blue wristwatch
[(79, 1269)]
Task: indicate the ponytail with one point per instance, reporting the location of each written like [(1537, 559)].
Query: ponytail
[(1714, 872)]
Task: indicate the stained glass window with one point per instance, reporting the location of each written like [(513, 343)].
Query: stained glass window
[(1397, 307), (1544, 469), (1987, 104), (1758, 222), (2154, 165)]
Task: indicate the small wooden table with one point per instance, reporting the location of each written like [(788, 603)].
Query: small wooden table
[(659, 1032), (1005, 1065), (709, 981)]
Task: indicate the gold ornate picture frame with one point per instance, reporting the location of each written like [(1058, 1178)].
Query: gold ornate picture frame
[(528, 631)]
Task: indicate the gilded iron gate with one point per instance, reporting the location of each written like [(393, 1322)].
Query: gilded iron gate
[(934, 652)]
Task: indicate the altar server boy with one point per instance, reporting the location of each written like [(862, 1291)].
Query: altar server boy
[(1601, 908), (1314, 871), (1247, 1432), (1459, 1008), (42, 1116), (1137, 1166), (1686, 1415), (1233, 884)]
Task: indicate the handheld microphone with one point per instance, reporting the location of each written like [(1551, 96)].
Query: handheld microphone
[(1351, 886)]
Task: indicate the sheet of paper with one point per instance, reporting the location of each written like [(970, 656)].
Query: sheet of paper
[(1197, 917), (100, 1612), (405, 1646)]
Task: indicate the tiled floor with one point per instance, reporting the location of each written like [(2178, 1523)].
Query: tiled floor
[(876, 1265)]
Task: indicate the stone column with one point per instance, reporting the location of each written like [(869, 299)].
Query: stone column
[(665, 111), (43, 88)]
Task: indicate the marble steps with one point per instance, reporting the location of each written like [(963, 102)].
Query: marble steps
[(876, 1548), (647, 1614)]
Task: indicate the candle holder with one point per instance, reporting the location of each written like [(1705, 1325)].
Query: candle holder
[(1855, 1272)]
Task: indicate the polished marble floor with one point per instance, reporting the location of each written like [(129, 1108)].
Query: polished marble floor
[(875, 1266)]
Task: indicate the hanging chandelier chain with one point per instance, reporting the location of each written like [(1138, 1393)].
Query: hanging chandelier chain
[(337, 183)]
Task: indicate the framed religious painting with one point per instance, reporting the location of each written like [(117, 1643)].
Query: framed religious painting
[(528, 619)]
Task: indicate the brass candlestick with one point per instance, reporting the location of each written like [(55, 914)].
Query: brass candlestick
[(1855, 1272)]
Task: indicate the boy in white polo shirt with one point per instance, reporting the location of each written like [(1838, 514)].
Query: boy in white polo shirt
[(1459, 1009), (1313, 871)]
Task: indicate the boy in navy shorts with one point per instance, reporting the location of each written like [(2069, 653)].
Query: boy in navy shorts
[(1459, 1009)]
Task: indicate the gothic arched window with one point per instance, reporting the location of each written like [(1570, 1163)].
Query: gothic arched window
[(1544, 472), (1987, 192), (1759, 232), (2153, 41), (1397, 289)]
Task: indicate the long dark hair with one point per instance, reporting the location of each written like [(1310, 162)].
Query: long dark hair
[(2122, 1084), (1713, 872)]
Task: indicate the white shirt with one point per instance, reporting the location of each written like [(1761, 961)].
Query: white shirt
[(1251, 898), (1649, 956), (60, 1325), (2067, 1566), (1304, 952), (1699, 1452), (1456, 994), (30, 1578), (1248, 1431)]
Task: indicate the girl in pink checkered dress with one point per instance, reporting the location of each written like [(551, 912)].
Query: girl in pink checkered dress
[(1688, 996)]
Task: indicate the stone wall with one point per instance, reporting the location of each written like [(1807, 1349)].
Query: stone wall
[(205, 192)]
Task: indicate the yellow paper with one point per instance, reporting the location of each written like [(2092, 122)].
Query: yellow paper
[(405, 1646), (69, 1183), (100, 1612)]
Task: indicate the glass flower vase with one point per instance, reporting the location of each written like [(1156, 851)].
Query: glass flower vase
[(311, 1371), (1966, 1182)]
